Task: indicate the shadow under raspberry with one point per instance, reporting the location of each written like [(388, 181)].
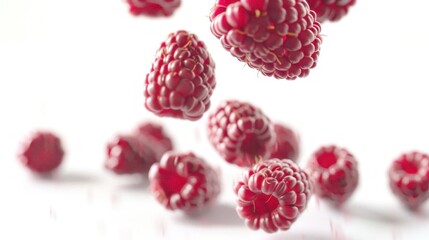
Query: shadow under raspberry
[(219, 214), (368, 213)]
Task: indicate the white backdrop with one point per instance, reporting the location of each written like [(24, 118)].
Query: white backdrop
[(77, 68)]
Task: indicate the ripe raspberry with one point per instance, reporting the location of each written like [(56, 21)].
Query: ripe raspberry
[(155, 134), (183, 182), (241, 133), (330, 10), (334, 174), (153, 8), (181, 80), (409, 178), (287, 144), (272, 195), (137, 152), (280, 38), (42, 152)]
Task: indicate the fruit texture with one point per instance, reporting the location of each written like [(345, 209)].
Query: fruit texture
[(135, 153), (287, 143), (409, 178), (280, 38), (272, 195), (183, 182), (181, 80), (42, 152), (241, 133), (334, 173), (330, 10), (153, 8)]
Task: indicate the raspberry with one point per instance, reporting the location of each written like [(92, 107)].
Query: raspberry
[(135, 153), (272, 195), (155, 133), (409, 178), (183, 182), (241, 133), (330, 10), (153, 8), (42, 152), (181, 80), (334, 173), (287, 144), (279, 38)]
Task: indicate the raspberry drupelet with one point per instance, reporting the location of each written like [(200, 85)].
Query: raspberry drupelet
[(409, 178), (287, 143), (135, 153), (153, 8), (330, 10), (184, 182), (241, 133), (272, 195), (181, 80), (280, 38), (42, 152), (334, 173)]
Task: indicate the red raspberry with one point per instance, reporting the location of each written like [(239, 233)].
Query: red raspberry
[(409, 178), (330, 10), (287, 144), (272, 195), (183, 182), (334, 173), (241, 133), (280, 38), (153, 8), (42, 152), (155, 133), (181, 80), (136, 153)]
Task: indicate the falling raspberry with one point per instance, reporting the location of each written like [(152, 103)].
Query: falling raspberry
[(183, 182), (272, 195), (409, 178), (241, 133), (161, 142), (287, 144), (181, 80), (279, 38), (330, 10), (334, 173), (153, 8), (135, 153), (42, 152)]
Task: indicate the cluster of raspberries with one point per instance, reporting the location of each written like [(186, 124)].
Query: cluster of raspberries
[(279, 38)]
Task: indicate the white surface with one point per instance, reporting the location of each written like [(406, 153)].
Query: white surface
[(78, 67)]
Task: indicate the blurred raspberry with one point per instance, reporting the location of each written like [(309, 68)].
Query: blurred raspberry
[(287, 144), (153, 8), (272, 195), (241, 133), (330, 10), (183, 182), (279, 38), (135, 153), (181, 80), (42, 152), (334, 173), (409, 178)]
